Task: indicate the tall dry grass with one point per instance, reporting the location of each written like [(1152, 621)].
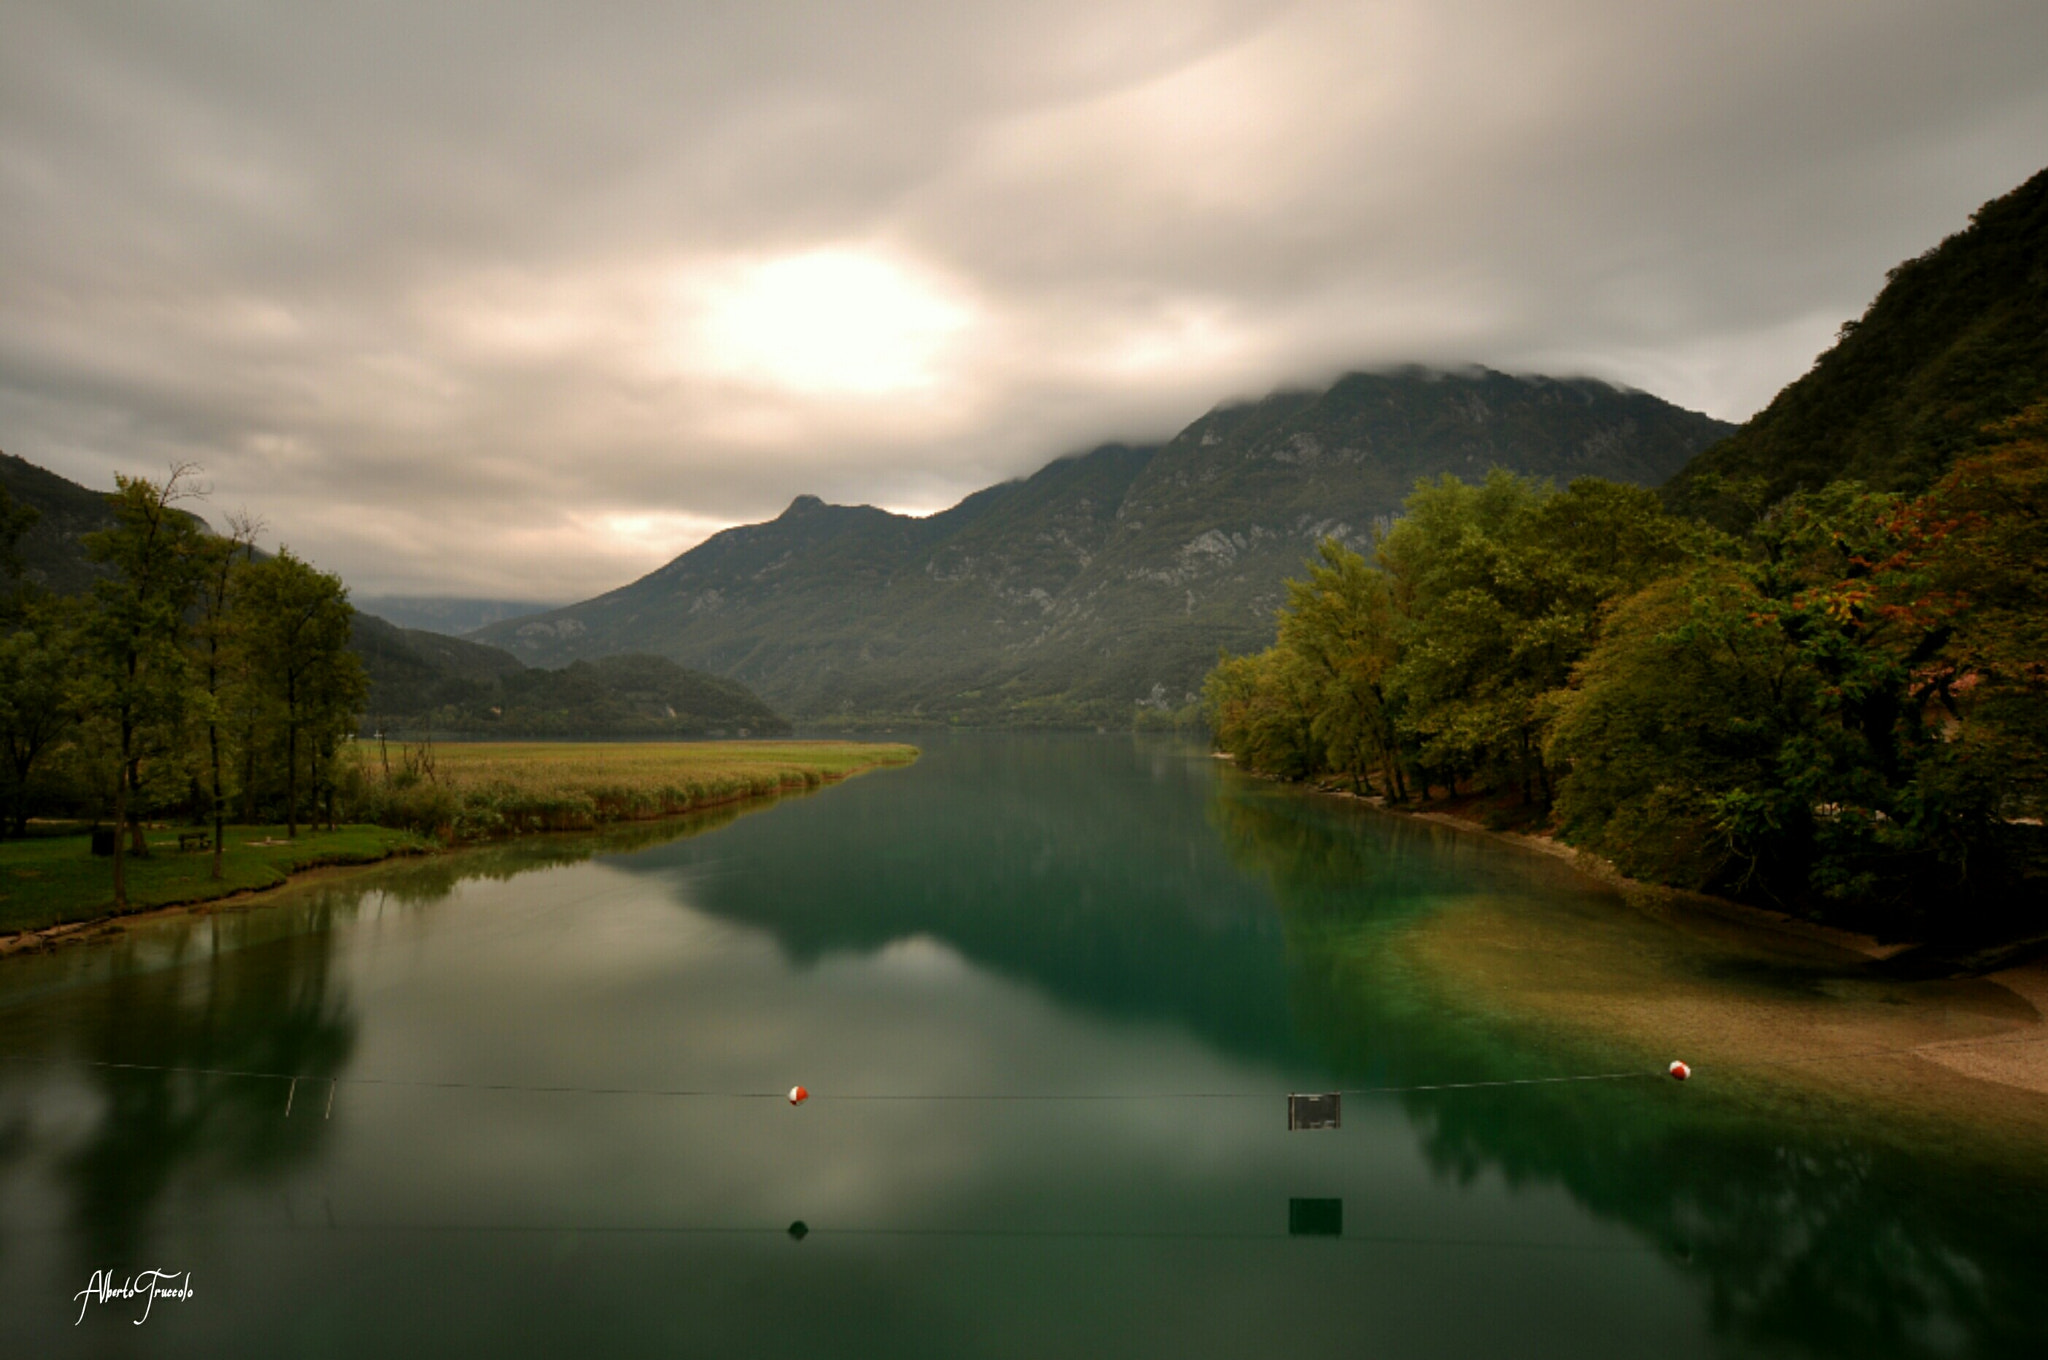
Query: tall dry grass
[(474, 792)]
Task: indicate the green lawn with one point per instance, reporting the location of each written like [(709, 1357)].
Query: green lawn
[(52, 879), (478, 792)]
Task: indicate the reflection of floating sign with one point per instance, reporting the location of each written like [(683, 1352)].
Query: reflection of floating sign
[(1315, 1112), (1315, 1218)]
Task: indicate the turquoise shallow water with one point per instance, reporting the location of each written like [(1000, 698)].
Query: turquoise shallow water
[(1163, 945)]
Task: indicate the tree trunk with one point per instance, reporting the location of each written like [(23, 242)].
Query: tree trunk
[(291, 779), (121, 825), (138, 841), (213, 752)]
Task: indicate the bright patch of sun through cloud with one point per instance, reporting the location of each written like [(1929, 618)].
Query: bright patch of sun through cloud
[(831, 321)]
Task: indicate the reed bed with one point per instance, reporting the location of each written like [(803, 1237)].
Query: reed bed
[(477, 791)]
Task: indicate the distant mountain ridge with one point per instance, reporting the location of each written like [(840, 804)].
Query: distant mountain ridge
[(429, 682), (1104, 581), (423, 680), (1956, 339), (53, 550), (452, 615)]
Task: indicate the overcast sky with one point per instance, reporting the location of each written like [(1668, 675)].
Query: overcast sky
[(522, 299)]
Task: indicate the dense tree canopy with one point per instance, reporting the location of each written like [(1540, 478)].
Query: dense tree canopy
[(189, 674), (1844, 711)]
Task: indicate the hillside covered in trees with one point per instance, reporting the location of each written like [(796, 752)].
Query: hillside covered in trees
[(1100, 587), (189, 675), (1956, 342), (419, 680), (1834, 702), (424, 682)]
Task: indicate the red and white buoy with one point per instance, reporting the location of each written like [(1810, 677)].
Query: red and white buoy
[(798, 1095), (1679, 1072)]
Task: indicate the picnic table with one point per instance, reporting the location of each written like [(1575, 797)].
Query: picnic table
[(195, 840)]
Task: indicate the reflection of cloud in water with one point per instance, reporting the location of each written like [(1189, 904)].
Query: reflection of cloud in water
[(1064, 919)]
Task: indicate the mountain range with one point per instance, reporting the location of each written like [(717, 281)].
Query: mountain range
[(1104, 583), (422, 680)]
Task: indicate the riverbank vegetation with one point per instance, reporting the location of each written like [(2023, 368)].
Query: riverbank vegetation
[(472, 791), (193, 677), (1840, 709), (199, 683), (48, 880), (414, 797)]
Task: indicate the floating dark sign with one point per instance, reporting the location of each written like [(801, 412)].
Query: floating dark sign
[(1315, 1112)]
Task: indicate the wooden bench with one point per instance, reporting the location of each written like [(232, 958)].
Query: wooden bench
[(195, 840)]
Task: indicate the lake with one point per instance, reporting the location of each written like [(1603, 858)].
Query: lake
[(1049, 995)]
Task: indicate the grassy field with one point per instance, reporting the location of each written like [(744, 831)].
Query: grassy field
[(49, 880), (478, 791), (475, 792)]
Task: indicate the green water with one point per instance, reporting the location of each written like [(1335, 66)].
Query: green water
[(1011, 917)]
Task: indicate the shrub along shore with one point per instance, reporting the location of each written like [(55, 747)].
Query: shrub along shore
[(408, 798)]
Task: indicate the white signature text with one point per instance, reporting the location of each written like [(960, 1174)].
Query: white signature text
[(147, 1285)]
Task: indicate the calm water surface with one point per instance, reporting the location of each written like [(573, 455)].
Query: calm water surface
[(1012, 917)]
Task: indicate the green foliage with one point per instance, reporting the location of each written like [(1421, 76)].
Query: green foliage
[(422, 682), (1101, 586), (1849, 717), (294, 636), (1341, 625), (50, 880), (133, 669), (38, 703), (1502, 587), (1844, 712), (1953, 344), (16, 519), (1690, 695)]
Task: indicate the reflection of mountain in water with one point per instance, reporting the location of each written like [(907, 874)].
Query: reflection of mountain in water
[(1064, 863), (1835, 1241)]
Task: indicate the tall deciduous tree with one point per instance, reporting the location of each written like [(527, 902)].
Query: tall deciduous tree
[(37, 706), (1503, 585), (295, 626), (134, 670), (1341, 622), (213, 655)]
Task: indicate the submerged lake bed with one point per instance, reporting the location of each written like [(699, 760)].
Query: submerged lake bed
[(1049, 994)]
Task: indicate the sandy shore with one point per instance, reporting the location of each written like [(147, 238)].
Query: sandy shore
[(1974, 1046), (2022, 1063)]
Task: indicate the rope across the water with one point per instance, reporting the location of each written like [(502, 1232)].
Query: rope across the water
[(710, 1093)]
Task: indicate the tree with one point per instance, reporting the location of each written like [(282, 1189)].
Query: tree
[(1503, 585), (1341, 623), (213, 660), (1850, 716), (15, 521), (296, 631), (36, 702), (1691, 693), (133, 668), (1262, 709)]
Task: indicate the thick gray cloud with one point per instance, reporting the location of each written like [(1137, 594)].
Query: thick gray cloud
[(524, 298)]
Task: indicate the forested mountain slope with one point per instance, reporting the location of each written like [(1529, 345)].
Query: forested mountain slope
[(1957, 340), (52, 552), (422, 680), (1104, 580)]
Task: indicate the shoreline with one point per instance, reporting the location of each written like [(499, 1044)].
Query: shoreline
[(115, 923), (2014, 1061)]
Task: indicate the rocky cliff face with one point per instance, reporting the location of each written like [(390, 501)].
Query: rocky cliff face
[(1105, 580)]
